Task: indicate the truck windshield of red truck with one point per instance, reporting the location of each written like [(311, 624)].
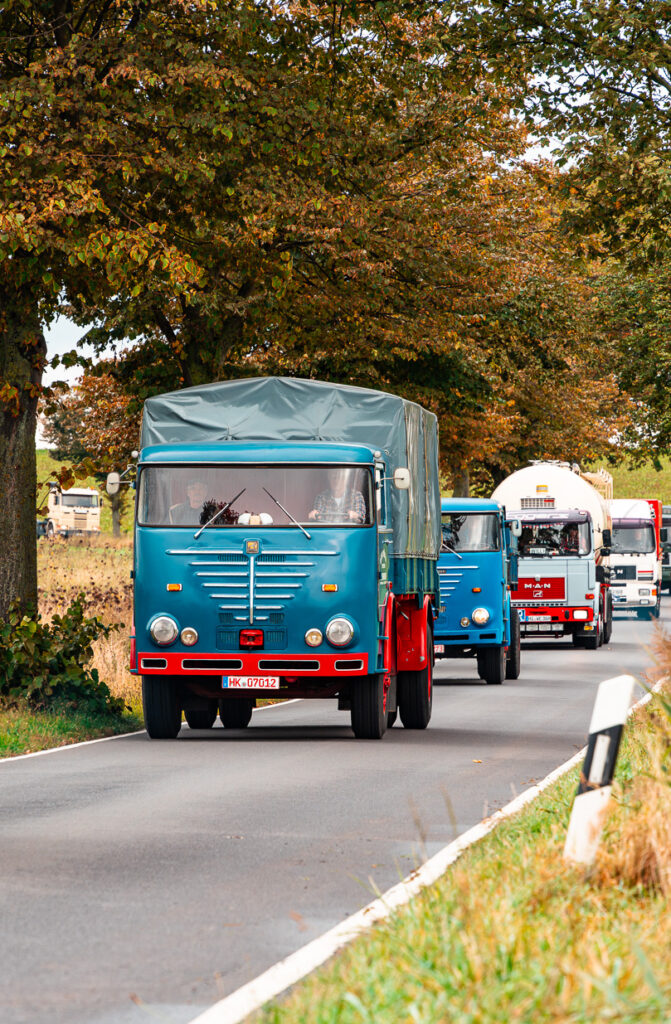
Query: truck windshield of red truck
[(567, 535), (316, 495), (633, 537), (470, 532)]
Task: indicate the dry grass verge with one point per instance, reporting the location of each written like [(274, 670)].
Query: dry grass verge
[(100, 568), (511, 933)]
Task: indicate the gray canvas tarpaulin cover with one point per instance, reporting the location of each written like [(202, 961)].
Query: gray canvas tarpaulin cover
[(289, 409)]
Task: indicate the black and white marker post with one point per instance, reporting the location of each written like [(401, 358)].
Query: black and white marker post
[(611, 708)]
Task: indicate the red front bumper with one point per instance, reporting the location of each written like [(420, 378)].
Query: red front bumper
[(556, 614), (258, 663)]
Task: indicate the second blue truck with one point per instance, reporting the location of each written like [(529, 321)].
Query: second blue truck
[(477, 568)]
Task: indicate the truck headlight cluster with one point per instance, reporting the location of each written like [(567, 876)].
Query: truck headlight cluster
[(480, 616), (163, 630), (339, 632), (189, 636), (313, 637)]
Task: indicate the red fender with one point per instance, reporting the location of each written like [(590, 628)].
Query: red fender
[(411, 633)]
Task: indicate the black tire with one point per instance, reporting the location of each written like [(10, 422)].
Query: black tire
[(592, 641), (492, 665), (514, 659), (369, 712), (236, 713), (391, 718), (161, 706), (608, 623), (578, 639), (415, 691), (50, 531), (658, 606), (202, 718)]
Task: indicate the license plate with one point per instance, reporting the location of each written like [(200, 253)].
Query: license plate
[(251, 682), (439, 648), (538, 618)]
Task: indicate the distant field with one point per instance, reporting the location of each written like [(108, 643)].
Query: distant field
[(643, 482), (47, 464)]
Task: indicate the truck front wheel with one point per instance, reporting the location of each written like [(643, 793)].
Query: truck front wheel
[(415, 691), (236, 713), (369, 707), (162, 710), (492, 664), (514, 659)]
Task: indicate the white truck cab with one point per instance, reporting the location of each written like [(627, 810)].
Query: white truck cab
[(636, 561), (72, 512)]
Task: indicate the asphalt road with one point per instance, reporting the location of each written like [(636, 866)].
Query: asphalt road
[(144, 880)]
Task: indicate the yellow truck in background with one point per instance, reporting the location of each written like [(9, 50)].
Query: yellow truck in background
[(73, 512)]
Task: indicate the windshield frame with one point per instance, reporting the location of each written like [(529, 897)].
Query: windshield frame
[(632, 524), (559, 520), (86, 501), (445, 548), (310, 524)]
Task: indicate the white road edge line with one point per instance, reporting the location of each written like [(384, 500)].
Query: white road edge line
[(235, 1007), (104, 739)]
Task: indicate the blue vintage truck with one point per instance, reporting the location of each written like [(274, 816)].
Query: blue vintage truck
[(286, 544), (477, 568)]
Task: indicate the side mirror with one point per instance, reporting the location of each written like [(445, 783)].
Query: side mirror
[(113, 483), (607, 538), (515, 527), (401, 478), (664, 535)]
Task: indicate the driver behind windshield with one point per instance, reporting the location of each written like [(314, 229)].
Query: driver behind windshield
[(188, 512), (340, 503)]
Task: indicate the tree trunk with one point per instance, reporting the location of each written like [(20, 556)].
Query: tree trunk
[(115, 506), (22, 355), (461, 483)]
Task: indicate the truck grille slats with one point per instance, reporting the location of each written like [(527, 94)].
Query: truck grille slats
[(252, 583)]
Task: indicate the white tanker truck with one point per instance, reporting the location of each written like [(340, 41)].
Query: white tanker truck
[(564, 549)]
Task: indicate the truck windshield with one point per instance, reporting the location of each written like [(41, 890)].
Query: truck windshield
[(79, 500), (543, 537), (470, 532), (335, 495), (633, 537)]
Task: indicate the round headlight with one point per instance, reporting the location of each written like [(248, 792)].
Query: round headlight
[(465, 621), (313, 637), (189, 636), (480, 616), (339, 632), (163, 630)]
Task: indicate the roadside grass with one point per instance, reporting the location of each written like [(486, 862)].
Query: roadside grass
[(100, 567), (511, 933), (24, 731)]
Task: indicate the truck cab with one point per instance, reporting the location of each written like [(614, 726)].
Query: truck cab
[(636, 561), (476, 569), (283, 567), (665, 542), (564, 551), (73, 512)]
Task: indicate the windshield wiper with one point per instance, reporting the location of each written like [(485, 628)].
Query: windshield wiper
[(217, 514), (448, 547), (287, 513)]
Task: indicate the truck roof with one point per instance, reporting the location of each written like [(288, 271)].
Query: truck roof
[(80, 490), (469, 505), (257, 451)]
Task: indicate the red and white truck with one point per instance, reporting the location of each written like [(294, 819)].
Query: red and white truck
[(564, 551), (636, 562)]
